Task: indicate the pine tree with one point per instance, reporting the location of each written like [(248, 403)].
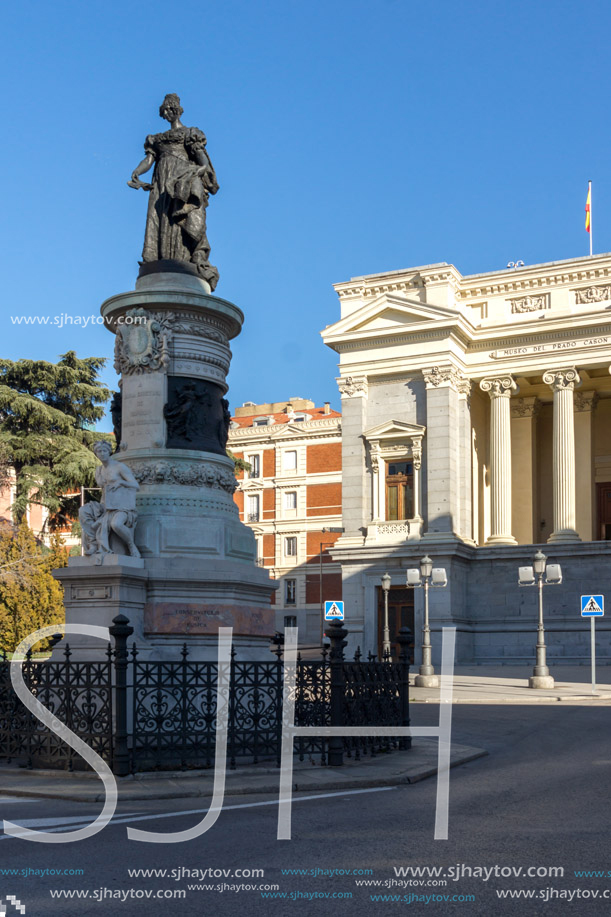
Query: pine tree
[(47, 411), (30, 597)]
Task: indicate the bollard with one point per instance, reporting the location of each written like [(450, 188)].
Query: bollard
[(120, 630), (336, 633)]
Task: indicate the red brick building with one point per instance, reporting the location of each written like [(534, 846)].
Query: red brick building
[(291, 498)]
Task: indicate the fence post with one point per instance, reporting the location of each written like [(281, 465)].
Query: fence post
[(336, 633), (404, 639), (120, 630)]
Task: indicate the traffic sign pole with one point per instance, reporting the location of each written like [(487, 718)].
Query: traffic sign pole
[(593, 645)]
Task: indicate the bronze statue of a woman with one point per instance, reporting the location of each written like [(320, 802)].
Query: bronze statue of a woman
[(182, 180)]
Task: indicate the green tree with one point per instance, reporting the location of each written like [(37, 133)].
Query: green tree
[(239, 463), (47, 415), (29, 595)]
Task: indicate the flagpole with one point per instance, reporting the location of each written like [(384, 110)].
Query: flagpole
[(590, 196)]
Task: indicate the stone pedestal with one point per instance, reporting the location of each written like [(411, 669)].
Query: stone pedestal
[(197, 570)]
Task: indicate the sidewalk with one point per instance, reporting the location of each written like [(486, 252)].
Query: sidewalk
[(509, 685), (397, 767)]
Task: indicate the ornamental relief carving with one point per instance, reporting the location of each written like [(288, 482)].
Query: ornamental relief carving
[(197, 329), (592, 294), (499, 388), (352, 385), (525, 407), (442, 375), (561, 379), (188, 474), (393, 528), (585, 401), (530, 303), (142, 344)]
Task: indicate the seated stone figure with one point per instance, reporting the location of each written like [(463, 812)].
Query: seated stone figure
[(116, 511)]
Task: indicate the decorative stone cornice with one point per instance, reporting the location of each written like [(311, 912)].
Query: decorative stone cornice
[(561, 379), (351, 386), (593, 294), (502, 387), (200, 329), (525, 407), (532, 303), (324, 426), (464, 386), (585, 401), (436, 376)]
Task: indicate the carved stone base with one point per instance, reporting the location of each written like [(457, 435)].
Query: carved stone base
[(541, 681), (169, 602)]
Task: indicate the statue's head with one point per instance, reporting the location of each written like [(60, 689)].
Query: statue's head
[(170, 108), (102, 450)]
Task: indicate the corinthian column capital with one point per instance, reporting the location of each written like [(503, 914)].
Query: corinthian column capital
[(560, 380), (501, 387)]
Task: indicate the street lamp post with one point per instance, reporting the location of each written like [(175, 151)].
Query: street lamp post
[(540, 574), (423, 578), (386, 633)]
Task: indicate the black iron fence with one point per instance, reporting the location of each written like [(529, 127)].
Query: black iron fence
[(142, 715)]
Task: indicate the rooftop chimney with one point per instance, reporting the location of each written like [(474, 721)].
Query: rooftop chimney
[(327, 408)]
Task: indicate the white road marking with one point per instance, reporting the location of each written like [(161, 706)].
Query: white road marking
[(57, 822), (123, 819)]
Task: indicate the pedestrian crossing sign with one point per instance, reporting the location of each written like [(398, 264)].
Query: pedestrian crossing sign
[(334, 611), (592, 606)]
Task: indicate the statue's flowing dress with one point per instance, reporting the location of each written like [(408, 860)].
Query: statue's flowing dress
[(176, 219)]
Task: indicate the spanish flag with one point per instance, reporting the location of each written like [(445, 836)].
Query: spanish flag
[(588, 206)]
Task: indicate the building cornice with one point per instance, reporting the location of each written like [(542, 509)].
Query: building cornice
[(307, 429)]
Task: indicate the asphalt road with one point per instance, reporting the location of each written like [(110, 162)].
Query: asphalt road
[(541, 799)]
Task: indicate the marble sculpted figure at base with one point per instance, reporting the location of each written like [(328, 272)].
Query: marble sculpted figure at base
[(183, 179), (116, 513)]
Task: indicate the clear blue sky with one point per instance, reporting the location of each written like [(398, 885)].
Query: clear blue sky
[(349, 137)]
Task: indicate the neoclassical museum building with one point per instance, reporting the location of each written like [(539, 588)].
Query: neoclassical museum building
[(477, 429)]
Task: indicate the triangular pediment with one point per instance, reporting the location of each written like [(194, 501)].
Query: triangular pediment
[(391, 312), (394, 429), (289, 429)]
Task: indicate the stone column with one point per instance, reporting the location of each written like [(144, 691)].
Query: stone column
[(416, 464), (524, 521), (562, 382), (500, 458), (585, 490), (356, 498), (377, 475), (442, 453), (466, 466)]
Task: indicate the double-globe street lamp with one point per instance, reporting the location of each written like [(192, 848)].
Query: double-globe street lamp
[(426, 576), (540, 574)]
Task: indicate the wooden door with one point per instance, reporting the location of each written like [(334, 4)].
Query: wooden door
[(603, 495), (400, 614)]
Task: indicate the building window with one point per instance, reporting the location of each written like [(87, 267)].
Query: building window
[(399, 490), (255, 466), (253, 508), (290, 499), (290, 620), (290, 591), (289, 462), (260, 423), (290, 546)]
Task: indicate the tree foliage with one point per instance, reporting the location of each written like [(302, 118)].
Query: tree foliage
[(240, 464), (30, 597), (47, 415)]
